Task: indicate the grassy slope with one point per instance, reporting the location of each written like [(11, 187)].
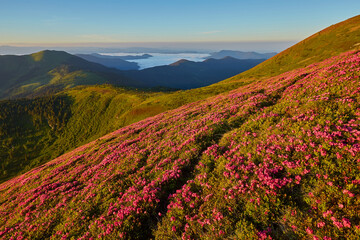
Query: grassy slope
[(92, 111), (278, 157)]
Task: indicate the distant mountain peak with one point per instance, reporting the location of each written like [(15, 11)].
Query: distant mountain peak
[(50, 55), (37, 57), (227, 58), (181, 61)]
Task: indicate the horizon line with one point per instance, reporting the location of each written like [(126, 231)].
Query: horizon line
[(88, 44)]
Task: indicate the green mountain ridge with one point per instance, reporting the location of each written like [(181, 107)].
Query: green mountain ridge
[(51, 71)]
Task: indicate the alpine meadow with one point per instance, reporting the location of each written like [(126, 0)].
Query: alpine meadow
[(223, 148)]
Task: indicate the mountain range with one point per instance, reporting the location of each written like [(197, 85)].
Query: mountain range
[(271, 153), (185, 74), (125, 57), (53, 71), (117, 61), (241, 55)]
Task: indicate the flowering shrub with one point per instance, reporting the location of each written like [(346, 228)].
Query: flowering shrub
[(278, 158)]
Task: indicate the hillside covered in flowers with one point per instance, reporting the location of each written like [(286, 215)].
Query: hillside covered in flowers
[(278, 158)]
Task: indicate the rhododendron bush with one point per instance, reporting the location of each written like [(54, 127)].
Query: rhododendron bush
[(275, 159)]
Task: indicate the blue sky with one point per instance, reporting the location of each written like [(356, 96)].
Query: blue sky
[(110, 21)]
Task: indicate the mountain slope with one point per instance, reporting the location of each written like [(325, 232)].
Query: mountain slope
[(274, 158), (185, 74), (51, 71)]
